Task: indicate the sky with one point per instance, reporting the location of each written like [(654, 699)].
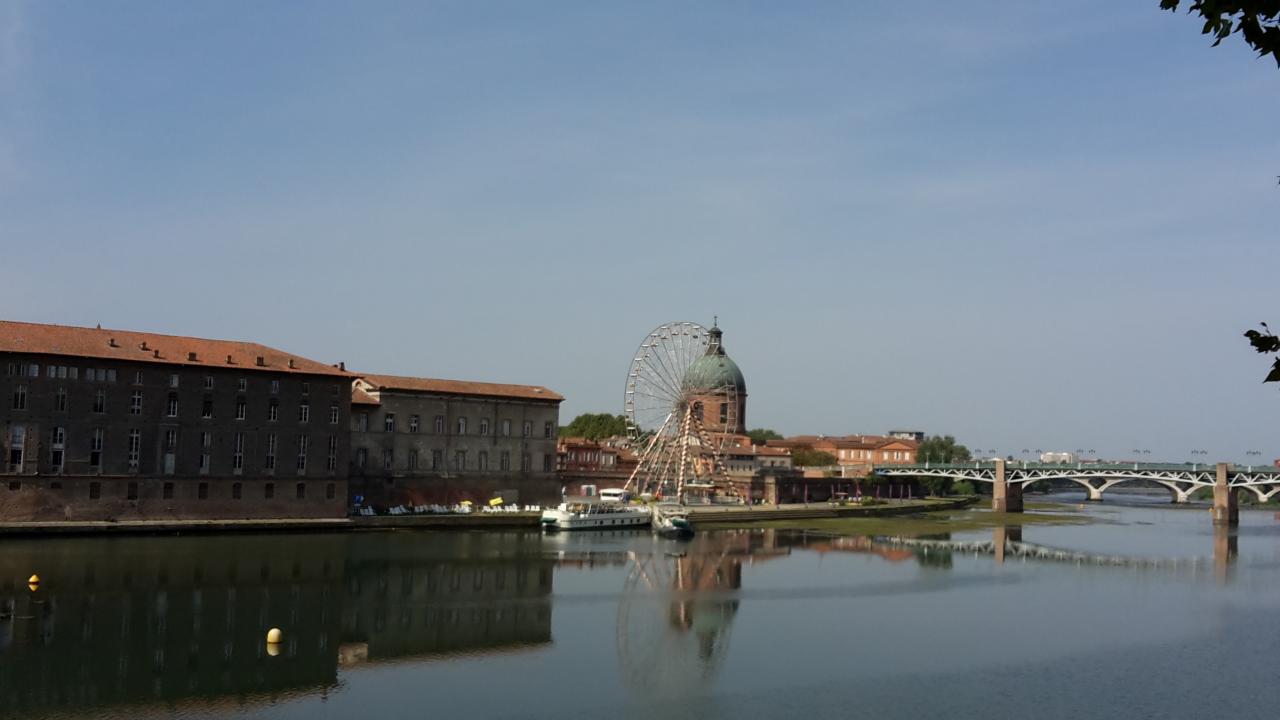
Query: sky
[(1035, 225)]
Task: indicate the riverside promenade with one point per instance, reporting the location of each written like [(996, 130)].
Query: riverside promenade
[(701, 516)]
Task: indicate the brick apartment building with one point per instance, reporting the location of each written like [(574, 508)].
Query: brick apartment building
[(109, 424), (424, 441), (856, 454)]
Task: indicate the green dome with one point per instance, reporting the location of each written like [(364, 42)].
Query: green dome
[(715, 369)]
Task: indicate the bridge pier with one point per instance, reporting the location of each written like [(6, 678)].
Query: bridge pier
[(1001, 536), (1005, 496), (1226, 508), (1095, 493)]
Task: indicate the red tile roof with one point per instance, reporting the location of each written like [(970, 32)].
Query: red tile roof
[(360, 397), (460, 387), (68, 341)]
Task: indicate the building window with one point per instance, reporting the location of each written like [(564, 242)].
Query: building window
[(387, 457), (724, 413), (362, 422), (206, 443), (439, 424), (242, 409), (34, 371), (437, 459), (547, 428), (273, 411), (362, 457), (304, 412), (20, 397), (170, 439), (95, 449), (484, 426), (547, 463), (275, 387), (303, 443), (57, 448), (389, 422), (135, 449), (482, 461), (460, 460), (131, 492), (506, 428), (270, 463), (330, 491), (137, 377), (95, 490), (166, 491), (173, 380), (462, 426), (100, 401), (171, 406), (269, 490), (242, 384), (237, 453), (527, 428), (302, 491), (202, 491), (17, 445), (135, 403), (306, 388), (208, 383), (413, 459), (413, 423), (333, 414), (236, 490), (525, 462), (60, 400), (206, 407), (504, 460)]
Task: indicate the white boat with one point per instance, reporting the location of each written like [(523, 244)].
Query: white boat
[(588, 514), (672, 519)]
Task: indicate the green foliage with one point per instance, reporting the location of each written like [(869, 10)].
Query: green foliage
[(1257, 21), (942, 449), (964, 487), (936, 486), (759, 435), (805, 456), (1266, 342), (595, 426)]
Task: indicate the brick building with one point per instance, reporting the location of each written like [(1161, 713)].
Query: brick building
[(424, 441), (856, 454), (109, 424)]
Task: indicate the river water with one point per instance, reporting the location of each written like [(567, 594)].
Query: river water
[(1179, 623)]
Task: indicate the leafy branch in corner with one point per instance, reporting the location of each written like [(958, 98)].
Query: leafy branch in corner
[(1257, 21), (1266, 342)]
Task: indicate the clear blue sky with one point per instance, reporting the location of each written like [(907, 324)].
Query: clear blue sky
[(1036, 224)]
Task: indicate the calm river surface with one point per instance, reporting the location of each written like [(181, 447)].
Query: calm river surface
[(734, 624)]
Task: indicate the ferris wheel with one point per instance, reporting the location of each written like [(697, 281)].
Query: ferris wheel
[(679, 411)]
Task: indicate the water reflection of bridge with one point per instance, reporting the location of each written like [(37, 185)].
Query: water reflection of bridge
[(146, 622)]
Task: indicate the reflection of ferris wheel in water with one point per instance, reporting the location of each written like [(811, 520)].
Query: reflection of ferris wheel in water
[(673, 622), (684, 400)]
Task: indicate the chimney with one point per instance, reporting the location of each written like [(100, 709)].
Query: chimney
[(262, 362), (157, 354), (143, 346), (230, 361), (291, 366), (111, 342), (342, 366), (191, 357)]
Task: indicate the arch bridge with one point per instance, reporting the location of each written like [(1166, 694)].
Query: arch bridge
[(1009, 479)]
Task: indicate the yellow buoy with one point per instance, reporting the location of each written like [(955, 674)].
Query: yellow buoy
[(273, 636)]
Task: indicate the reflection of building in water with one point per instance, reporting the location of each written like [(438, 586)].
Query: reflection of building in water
[(116, 623), (405, 599), (181, 622)]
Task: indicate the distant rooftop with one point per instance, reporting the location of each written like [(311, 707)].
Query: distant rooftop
[(459, 387)]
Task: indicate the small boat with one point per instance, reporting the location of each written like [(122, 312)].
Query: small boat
[(590, 514), (672, 519)]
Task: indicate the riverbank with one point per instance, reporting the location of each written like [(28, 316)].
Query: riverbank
[(730, 515)]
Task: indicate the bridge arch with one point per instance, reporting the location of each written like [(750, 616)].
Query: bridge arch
[(1096, 485)]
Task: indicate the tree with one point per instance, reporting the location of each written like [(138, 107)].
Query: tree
[(805, 456), (760, 435), (1257, 21), (942, 449), (1266, 342), (595, 426)]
